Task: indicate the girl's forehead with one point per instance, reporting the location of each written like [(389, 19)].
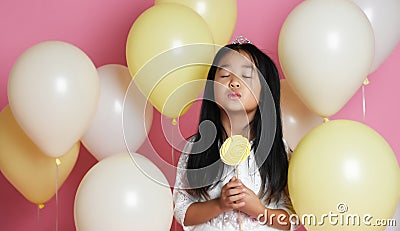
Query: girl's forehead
[(235, 57)]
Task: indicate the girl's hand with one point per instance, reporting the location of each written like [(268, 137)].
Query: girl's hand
[(231, 194), (253, 205)]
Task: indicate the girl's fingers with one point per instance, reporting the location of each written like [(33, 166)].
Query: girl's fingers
[(233, 191), (235, 198), (233, 184), (237, 205), (232, 179)]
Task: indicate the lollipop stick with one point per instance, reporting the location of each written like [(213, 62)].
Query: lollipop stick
[(239, 216), (234, 151)]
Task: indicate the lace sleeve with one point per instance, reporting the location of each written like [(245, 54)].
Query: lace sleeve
[(182, 199)]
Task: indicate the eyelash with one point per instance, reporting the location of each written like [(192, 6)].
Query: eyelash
[(225, 76)]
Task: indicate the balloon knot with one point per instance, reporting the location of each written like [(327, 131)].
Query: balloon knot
[(40, 206), (58, 162), (174, 122), (326, 119), (366, 82)]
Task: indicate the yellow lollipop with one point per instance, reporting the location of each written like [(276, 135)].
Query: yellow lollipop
[(235, 150)]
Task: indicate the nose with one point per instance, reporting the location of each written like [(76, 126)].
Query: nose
[(234, 84)]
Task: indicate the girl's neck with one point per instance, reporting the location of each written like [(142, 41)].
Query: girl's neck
[(237, 123)]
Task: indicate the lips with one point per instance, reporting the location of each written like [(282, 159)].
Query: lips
[(234, 95)]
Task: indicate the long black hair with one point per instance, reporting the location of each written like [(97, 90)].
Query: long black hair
[(268, 146)]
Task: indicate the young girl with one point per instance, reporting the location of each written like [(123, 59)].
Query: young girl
[(241, 97)]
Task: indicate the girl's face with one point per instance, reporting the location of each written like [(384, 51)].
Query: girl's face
[(237, 85)]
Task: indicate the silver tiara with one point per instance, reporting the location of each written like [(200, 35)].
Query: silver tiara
[(241, 40)]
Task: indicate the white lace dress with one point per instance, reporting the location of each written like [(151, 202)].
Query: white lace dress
[(247, 173)]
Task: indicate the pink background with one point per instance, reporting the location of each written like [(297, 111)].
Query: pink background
[(100, 28)]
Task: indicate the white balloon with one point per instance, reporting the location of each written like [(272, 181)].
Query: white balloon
[(384, 17), (326, 50), (105, 136), (395, 221), (53, 91), (121, 194), (297, 119)]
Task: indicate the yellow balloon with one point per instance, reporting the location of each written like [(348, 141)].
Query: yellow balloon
[(220, 16), (343, 176), (27, 168), (169, 48)]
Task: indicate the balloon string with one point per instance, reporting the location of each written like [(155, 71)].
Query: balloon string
[(172, 148), (363, 102), (366, 82), (39, 207), (58, 162), (174, 122)]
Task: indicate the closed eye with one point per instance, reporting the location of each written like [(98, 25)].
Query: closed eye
[(223, 72)]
